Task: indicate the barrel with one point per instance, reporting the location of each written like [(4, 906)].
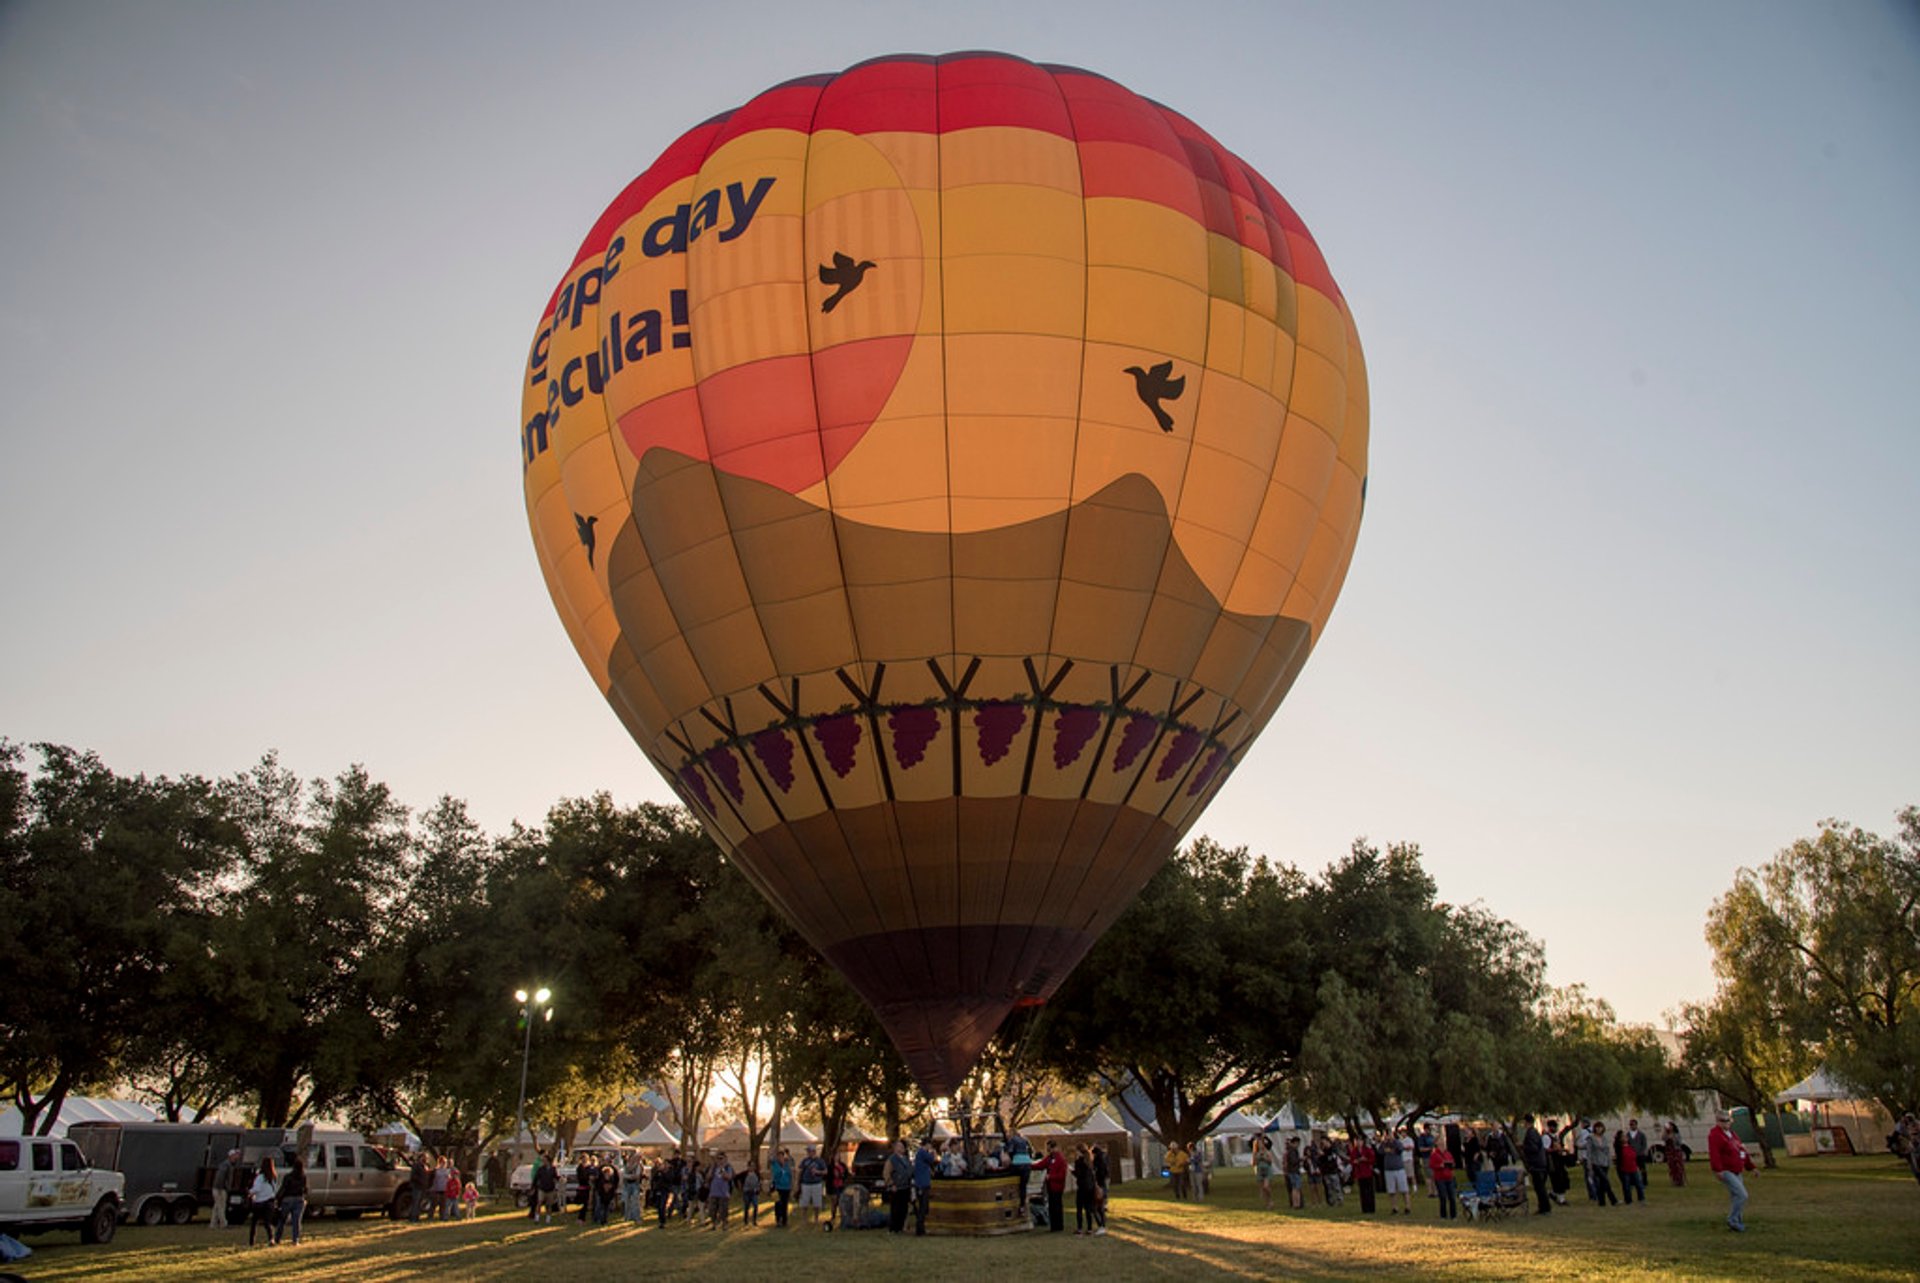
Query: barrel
[(977, 1205)]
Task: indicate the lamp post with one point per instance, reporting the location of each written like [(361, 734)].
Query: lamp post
[(528, 1003)]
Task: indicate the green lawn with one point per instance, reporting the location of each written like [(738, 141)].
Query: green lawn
[(1813, 1219)]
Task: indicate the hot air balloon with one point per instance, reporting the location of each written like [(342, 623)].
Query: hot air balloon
[(944, 468)]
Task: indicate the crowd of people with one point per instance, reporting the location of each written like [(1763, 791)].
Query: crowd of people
[(1448, 1164), (703, 1189)]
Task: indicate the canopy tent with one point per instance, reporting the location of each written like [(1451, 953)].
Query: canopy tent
[(1240, 1123), (654, 1133), (1099, 1123), (601, 1135), (395, 1135), (795, 1132), (1817, 1088), (83, 1109)]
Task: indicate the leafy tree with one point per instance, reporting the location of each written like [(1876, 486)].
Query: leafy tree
[(1737, 1046), (603, 904), (1200, 993), (1828, 934), (1423, 1005), (326, 870), (100, 878)]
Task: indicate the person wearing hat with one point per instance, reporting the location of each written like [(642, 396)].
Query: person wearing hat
[(222, 1186), (813, 1185), (1728, 1158)]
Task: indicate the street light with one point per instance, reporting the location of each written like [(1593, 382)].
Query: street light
[(528, 1002)]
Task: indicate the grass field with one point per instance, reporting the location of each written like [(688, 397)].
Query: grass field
[(1814, 1219)]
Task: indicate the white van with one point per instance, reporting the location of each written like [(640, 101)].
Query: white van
[(46, 1184)]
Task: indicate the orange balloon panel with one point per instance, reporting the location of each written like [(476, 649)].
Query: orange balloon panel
[(944, 468)]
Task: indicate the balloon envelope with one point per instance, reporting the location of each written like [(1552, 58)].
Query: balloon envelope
[(944, 468)]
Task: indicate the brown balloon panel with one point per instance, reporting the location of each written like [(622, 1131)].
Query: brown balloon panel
[(944, 468), (955, 830)]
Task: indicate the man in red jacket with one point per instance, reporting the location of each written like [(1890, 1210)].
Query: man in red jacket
[(1055, 1166), (1728, 1158)]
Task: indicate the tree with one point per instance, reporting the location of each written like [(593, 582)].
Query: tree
[(1737, 1046), (1199, 994), (1424, 1004), (1828, 935), (1578, 1061), (102, 878)]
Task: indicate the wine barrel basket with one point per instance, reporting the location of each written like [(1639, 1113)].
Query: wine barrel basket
[(977, 1205)]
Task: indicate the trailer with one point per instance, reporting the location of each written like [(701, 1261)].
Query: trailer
[(169, 1167)]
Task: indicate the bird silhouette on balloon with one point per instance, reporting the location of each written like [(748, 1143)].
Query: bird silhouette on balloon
[(845, 274), (585, 526), (1156, 385)]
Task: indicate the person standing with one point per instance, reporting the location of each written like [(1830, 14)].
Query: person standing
[(1643, 1150), (1294, 1164), (1263, 1168), (293, 1201), (545, 1182), (1393, 1166), (925, 1161), (1424, 1142), (222, 1189), (813, 1186), (1627, 1159), (1361, 1156), (1200, 1170), (899, 1186), (1440, 1166), (437, 1191), (262, 1206), (1557, 1180), (1728, 1158), (636, 1171), (750, 1196), (1055, 1166), (719, 1191), (1675, 1153), (1176, 1170), (1102, 1176), (1083, 1222), (1599, 1161), (780, 1176), (1533, 1155), (1020, 1154)]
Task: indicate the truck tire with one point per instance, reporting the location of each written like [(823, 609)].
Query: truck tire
[(349, 1213), (181, 1213), (152, 1212), (101, 1222), (522, 1199), (402, 1206)]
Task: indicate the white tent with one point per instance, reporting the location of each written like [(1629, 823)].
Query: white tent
[(83, 1109), (1239, 1123), (601, 1135), (654, 1133), (795, 1132), (1817, 1088), (1099, 1123), (397, 1135)]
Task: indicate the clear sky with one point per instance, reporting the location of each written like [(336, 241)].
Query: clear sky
[(1637, 600)]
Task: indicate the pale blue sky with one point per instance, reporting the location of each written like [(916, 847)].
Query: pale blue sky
[(1636, 601)]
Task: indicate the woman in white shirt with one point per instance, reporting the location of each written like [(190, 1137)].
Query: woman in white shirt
[(262, 1200)]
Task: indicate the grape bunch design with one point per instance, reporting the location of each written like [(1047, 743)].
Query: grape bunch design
[(998, 724), (913, 727)]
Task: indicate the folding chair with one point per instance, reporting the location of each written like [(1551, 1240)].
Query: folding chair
[(1482, 1202), (1509, 1194)]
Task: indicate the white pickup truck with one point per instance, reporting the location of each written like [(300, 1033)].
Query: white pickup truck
[(46, 1184)]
